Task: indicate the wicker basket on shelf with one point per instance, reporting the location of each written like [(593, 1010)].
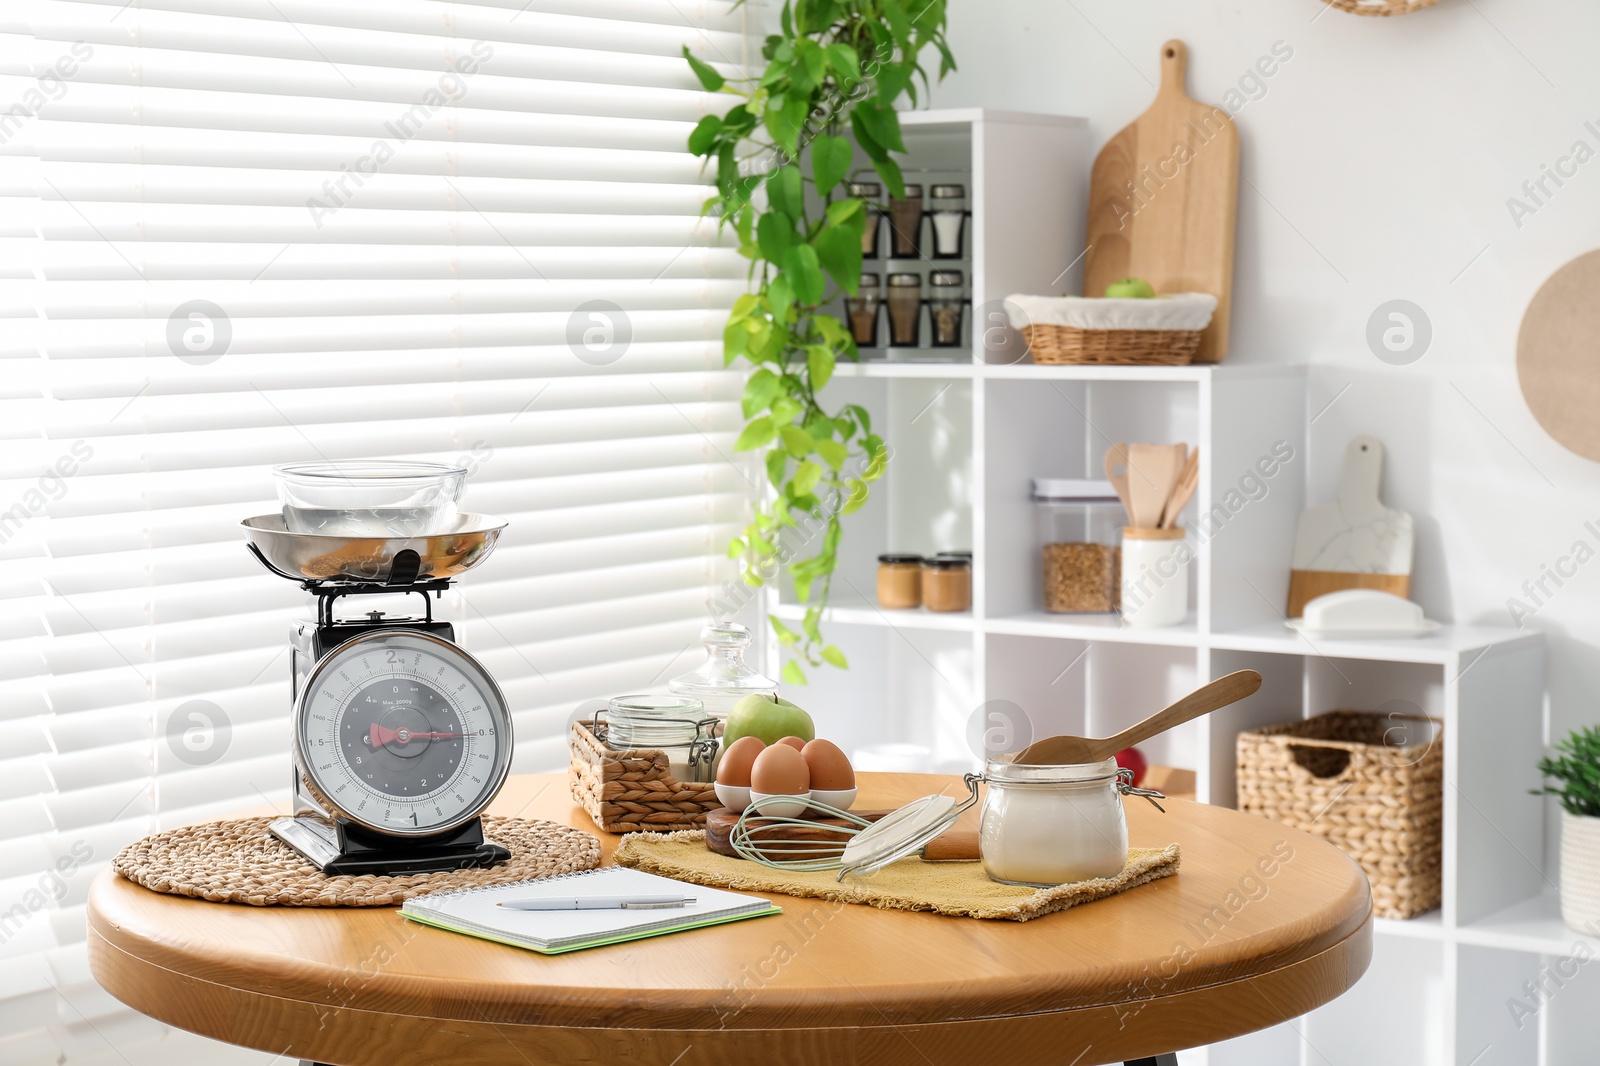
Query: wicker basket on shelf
[(633, 790), (1154, 347), (1372, 784)]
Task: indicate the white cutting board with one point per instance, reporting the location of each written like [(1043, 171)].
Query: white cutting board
[(1356, 542)]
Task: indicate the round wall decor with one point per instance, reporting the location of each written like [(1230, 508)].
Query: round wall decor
[(1380, 7), (1558, 355)]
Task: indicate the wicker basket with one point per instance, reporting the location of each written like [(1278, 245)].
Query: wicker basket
[(1068, 344), (1370, 783), (633, 790), (1380, 7)]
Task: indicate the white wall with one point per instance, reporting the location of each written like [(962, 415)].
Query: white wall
[(1377, 162)]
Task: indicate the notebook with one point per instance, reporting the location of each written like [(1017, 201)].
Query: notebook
[(475, 911)]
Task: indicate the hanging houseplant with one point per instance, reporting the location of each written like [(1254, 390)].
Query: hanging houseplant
[(782, 159)]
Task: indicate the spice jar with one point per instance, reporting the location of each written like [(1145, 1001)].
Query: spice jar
[(676, 725), (1155, 577), (905, 224), (862, 310), (946, 307), (723, 679), (1049, 825), (947, 218), (872, 193), (905, 309), (947, 582), (1080, 523), (899, 581)]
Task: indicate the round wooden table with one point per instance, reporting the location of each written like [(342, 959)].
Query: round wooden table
[(1262, 924)]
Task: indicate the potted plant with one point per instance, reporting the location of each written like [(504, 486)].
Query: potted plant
[(783, 163), (1576, 776)]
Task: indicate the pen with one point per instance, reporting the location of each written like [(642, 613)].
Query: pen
[(595, 903)]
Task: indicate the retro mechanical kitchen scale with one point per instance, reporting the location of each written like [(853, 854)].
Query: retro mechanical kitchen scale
[(401, 738)]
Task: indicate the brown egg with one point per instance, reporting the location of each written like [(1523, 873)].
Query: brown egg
[(830, 770), (780, 771), (794, 742), (734, 769)]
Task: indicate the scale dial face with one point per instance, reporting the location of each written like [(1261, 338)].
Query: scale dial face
[(402, 732)]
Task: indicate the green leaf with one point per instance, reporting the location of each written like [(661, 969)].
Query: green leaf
[(774, 234), (796, 441), (848, 212), (759, 390), (893, 79), (838, 249), (833, 453), (845, 63), (855, 496), (792, 674), (704, 135), (759, 433), (889, 171), (786, 192), (894, 13), (804, 270), (834, 657), (864, 136), (784, 634), (830, 161), (806, 477), (881, 122), (709, 78), (819, 361), (780, 296), (777, 466), (737, 547), (862, 416)]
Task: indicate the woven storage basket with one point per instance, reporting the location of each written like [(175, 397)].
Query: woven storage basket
[(1068, 344), (1382, 803), (633, 790), (1380, 7)]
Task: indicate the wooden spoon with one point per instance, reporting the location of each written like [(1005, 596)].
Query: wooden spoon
[(1152, 471), (1066, 751), (1116, 465), (1182, 491)]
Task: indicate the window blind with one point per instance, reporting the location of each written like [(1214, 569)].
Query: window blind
[(245, 232)]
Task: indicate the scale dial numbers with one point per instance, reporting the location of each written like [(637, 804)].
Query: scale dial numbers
[(403, 732)]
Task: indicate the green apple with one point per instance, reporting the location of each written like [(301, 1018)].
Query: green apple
[(1130, 289), (768, 717)]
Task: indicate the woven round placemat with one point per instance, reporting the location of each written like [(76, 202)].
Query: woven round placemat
[(1380, 7), (238, 861)]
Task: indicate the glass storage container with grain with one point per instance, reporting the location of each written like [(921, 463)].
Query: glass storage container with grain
[(1080, 528)]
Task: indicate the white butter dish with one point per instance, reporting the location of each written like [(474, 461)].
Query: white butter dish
[(1362, 614)]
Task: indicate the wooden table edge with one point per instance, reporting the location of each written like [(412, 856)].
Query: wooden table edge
[(1138, 1028)]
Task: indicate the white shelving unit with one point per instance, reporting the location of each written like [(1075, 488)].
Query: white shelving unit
[(969, 436)]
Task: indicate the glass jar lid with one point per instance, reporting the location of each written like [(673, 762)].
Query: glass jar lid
[(913, 192), (949, 192), (865, 189), (946, 279), (1073, 490), (964, 556), (948, 562), (905, 281), (1002, 770), (724, 673), (895, 559), (869, 281)]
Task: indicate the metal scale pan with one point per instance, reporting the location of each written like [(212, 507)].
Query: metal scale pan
[(318, 557)]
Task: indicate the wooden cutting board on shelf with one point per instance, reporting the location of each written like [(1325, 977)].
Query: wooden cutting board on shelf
[(1357, 543), (1164, 200)]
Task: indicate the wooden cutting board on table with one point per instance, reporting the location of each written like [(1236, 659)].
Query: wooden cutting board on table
[(1357, 543), (1164, 200)]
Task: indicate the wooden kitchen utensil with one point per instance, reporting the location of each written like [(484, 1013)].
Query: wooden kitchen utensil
[(1163, 200), (1357, 543), (1116, 464), (1182, 491), (1153, 470), (1070, 751)]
